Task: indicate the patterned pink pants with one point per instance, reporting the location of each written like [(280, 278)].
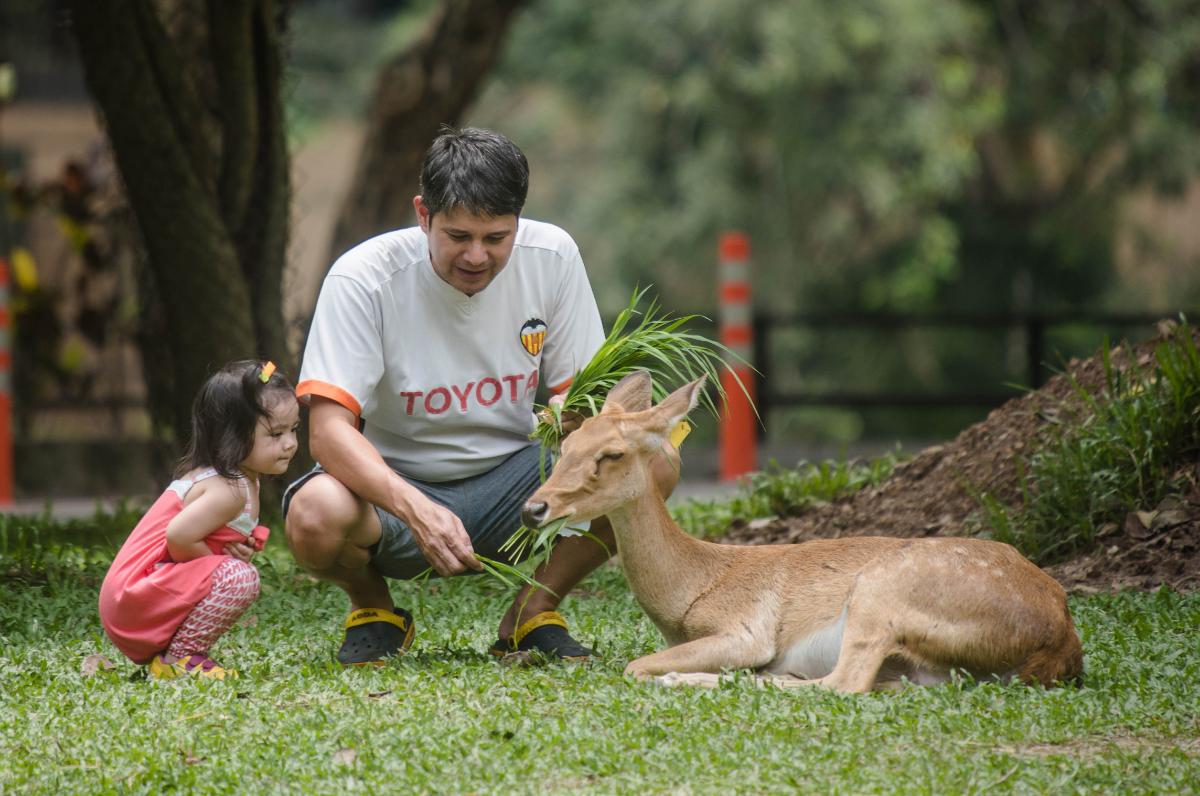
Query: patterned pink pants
[(234, 587)]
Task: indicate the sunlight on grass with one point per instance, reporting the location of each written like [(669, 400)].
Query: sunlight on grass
[(448, 718)]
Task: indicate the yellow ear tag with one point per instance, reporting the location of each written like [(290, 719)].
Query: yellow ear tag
[(680, 432)]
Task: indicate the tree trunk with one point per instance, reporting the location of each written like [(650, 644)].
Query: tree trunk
[(198, 136), (430, 84)]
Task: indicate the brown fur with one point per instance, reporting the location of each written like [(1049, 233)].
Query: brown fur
[(916, 609)]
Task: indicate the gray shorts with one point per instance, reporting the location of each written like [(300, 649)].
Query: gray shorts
[(488, 504)]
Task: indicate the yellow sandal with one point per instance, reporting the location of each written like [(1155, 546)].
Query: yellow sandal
[(191, 666)]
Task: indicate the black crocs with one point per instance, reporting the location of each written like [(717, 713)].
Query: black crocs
[(544, 634), (373, 634)]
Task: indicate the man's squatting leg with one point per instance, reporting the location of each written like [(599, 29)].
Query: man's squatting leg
[(329, 530)]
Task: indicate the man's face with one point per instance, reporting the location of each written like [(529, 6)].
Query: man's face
[(467, 251)]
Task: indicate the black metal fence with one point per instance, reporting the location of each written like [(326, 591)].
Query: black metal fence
[(1034, 328)]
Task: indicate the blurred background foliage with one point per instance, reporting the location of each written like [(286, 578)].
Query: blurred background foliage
[(883, 155)]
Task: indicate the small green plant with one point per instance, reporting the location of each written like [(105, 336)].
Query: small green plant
[(1120, 452), (778, 491)]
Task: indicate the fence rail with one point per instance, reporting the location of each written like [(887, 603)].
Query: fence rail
[(1034, 327)]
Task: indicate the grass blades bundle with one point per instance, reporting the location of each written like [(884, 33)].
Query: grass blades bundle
[(533, 543), (502, 571), (659, 344)]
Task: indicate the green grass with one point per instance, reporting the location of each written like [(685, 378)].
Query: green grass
[(1116, 454), (37, 547), (449, 719), (779, 491)]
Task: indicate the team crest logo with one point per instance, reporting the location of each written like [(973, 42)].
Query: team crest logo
[(533, 335)]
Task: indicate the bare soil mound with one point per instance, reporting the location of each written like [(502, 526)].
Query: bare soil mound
[(932, 494)]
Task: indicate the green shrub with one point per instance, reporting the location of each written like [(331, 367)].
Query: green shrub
[(1116, 453)]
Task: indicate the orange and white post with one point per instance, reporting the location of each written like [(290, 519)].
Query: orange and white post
[(6, 448), (738, 432)]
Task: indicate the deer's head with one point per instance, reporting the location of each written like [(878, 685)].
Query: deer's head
[(606, 462)]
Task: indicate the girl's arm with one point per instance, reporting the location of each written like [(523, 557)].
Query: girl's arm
[(218, 504)]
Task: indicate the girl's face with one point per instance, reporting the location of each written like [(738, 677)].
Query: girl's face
[(275, 439)]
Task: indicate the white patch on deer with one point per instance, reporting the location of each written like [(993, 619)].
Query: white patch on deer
[(813, 656), (921, 676)]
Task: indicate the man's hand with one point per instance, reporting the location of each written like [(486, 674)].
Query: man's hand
[(240, 550), (442, 539), (568, 420)]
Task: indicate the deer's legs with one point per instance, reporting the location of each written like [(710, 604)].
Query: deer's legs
[(694, 679), (955, 611), (707, 655), (858, 665), (886, 637)]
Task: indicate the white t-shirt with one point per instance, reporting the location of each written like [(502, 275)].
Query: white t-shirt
[(442, 382)]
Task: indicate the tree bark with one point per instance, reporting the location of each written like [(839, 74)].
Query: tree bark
[(205, 176), (430, 84)]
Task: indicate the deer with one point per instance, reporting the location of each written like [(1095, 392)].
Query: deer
[(851, 614)]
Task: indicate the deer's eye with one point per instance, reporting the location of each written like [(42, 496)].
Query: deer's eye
[(610, 456)]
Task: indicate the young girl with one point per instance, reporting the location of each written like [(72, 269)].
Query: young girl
[(183, 576)]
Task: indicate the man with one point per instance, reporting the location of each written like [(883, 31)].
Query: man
[(424, 355)]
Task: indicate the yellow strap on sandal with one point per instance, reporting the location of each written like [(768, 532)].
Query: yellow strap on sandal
[(538, 620), (367, 615), (159, 669)]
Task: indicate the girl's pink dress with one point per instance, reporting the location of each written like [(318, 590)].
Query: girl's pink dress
[(146, 595)]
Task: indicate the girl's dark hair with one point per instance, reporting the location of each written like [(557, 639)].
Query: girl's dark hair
[(225, 413), (478, 170)]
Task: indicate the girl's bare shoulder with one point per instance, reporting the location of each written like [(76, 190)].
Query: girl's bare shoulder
[(219, 492)]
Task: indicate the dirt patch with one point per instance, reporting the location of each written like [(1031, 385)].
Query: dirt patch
[(1097, 745), (1149, 549), (932, 494)]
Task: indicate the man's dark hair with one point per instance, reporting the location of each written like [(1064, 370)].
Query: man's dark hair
[(478, 170), (225, 414)]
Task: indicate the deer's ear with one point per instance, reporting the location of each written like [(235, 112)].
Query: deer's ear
[(675, 407), (630, 394)]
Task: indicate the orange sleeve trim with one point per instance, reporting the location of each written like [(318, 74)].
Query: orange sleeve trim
[(561, 387), (307, 389)]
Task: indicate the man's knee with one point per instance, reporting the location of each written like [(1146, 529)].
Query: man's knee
[(319, 521)]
